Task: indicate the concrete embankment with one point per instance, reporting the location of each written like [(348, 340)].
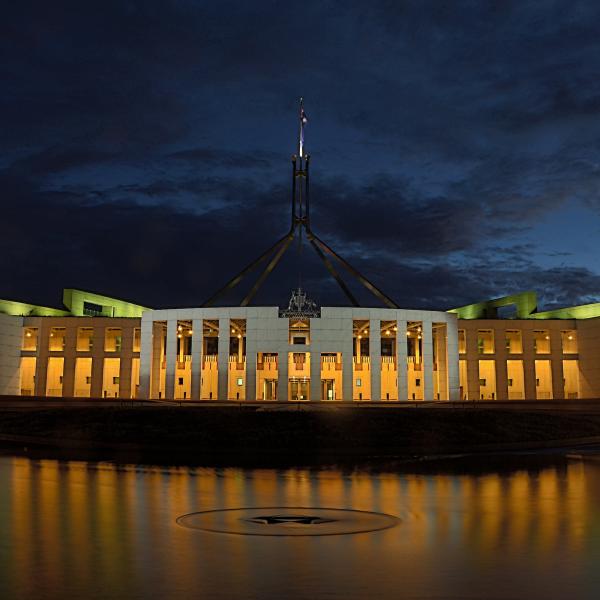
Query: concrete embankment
[(211, 435)]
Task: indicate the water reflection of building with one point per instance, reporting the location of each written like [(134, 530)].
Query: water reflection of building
[(99, 513), (102, 347)]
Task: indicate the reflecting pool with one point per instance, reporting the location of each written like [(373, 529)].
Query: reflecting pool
[(96, 530)]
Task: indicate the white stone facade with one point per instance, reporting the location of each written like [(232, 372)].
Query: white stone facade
[(266, 332), (11, 332)]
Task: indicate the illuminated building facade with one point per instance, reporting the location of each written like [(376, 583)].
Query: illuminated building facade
[(99, 347)]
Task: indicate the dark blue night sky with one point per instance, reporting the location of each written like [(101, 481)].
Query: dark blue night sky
[(145, 146)]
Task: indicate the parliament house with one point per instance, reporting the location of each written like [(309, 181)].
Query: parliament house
[(99, 347)]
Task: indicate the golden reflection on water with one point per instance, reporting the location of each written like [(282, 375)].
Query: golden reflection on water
[(96, 530)]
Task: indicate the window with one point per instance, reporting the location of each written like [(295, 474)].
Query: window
[(299, 331), (88, 380), (92, 310), (56, 343), (462, 341), (483, 382), (240, 381), (569, 341), (541, 341), (514, 342), (115, 380), (543, 380), (516, 379), (417, 382), (180, 380), (30, 335), (358, 382), (137, 339), (85, 339), (485, 341), (112, 339)]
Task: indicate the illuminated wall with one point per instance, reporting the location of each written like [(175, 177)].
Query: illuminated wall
[(11, 338), (346, 354)]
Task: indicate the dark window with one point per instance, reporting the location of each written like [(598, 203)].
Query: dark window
[(212, 345), (92, 310), (387, 347)]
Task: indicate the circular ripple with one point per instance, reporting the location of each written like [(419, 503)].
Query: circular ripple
[(288, 521)]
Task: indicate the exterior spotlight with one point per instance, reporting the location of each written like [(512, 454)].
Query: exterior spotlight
[(190, 332), (395, 328), (360, 337), (419, 329), (179, 328), (239, 336), (419, 336), (28, 334), (233, 331), (547, 337), (408, 334), (387, 332), (570, 337), (179, 335)]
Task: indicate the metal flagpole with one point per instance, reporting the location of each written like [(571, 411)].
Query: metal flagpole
[(300, 219)]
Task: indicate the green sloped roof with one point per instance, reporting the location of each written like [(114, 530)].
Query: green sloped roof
[(21, 309), (75, 301), (526, 307)]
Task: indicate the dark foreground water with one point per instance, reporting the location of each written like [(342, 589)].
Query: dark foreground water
[(89, 530)]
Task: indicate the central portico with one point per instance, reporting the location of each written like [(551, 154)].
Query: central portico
[(254, 353)]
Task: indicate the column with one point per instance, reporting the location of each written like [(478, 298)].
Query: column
[(427, 342), (41, 363), (171, 352), (500, 363), (156, 365), (315, 373), (145, 356), (375, 358), (223, 359), (556, 365), (529, 364), (472, 358), (401, 356), (453, 358), (197, 342), (68, 387), (347, 362), (441, 354), (251, 365), (126, 362), (282, 380), (97, 362)]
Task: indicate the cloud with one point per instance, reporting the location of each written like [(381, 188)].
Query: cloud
[(213, 157)]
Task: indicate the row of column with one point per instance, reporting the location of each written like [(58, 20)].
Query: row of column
[(500, 357), (151, 339), (97, 355)]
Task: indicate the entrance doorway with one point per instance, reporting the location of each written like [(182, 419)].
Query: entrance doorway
[(299, 388), (270, 389), (328, 389)]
